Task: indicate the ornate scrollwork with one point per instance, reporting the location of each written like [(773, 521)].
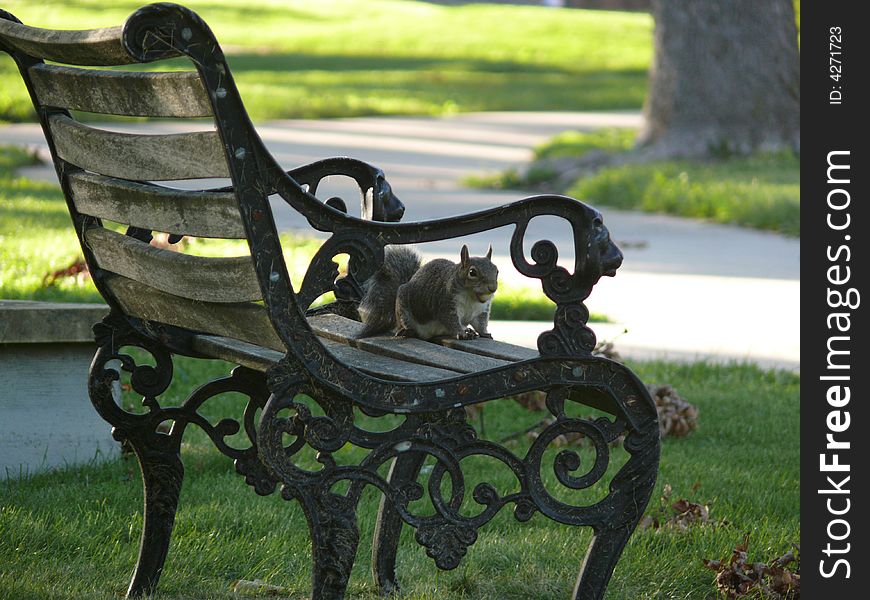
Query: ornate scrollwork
[(446, 542), (568, 461), (595, 255), (557, 283), (570, 335), (115, 333), (450, 428), (165, 30), (322, 275), (449, 439), (445, 436), (325, 434)]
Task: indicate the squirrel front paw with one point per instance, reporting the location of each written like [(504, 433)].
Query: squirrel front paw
[(404, 332), (468, 334)]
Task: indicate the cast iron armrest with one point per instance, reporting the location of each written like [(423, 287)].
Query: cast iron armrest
[(595, 254), (378, 202)]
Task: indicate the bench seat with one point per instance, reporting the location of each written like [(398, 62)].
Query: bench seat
[(390, 358)]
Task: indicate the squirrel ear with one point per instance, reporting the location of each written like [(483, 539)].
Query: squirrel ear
[(463, 254), (489, 252)]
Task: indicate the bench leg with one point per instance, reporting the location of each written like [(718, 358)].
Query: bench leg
[(334, 540), (601, 558), (405, 468), (162, 473)]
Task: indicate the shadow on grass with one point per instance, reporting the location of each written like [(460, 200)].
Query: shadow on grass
[(295, 85)]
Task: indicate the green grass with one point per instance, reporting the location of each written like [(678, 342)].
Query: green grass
[(575, 144), (568, 144), (760, 191), (515, 302), (73, 533), (512, 179), (36, 236), (319, 58)]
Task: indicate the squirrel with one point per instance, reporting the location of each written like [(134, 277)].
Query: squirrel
[(440, 298)]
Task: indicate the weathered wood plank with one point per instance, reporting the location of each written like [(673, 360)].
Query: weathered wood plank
[(408, 349), (242, 321), (178, 94), (97, 47), (259, 358), (384, 367), (335, 327), (347, 330), (427, 353), (229, 280), (249, 322), (492, 348), (183, 212), (194, 155), (235, 351)]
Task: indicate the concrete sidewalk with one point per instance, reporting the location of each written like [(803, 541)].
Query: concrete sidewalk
[(687, 289)]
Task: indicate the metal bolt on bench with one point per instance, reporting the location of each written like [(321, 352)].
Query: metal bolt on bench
[(245, 311)]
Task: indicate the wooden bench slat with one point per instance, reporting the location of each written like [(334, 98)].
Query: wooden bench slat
[(244, 321), (385, 367), (335, 327), (97, 47), (229, 280), (427, 353), (259, 358), (391, 358), (194, 155), (409, 349), (492, 348), (183, 212), (254, 343), (171, 94), (242, 353)]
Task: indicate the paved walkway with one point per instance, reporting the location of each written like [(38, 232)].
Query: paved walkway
[(687, 289)]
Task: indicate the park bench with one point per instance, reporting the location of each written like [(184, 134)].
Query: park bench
[(309, 380)]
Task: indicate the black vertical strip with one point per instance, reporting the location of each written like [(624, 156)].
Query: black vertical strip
[(834, 260)]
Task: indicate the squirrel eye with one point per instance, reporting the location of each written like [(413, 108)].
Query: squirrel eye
[(472, 272)]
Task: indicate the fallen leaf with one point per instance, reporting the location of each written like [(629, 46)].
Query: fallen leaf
[(677, 417), (77, 270), (258, 587), (739, 578), (534, 400)]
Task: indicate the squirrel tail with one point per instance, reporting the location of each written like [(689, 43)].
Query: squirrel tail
[(378, 306)]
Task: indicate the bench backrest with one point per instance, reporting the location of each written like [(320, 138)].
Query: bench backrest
[(108, 176)]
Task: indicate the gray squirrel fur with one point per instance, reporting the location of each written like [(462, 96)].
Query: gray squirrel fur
[(440, 298)]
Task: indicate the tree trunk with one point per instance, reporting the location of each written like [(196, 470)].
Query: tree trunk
[(725, 78)]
